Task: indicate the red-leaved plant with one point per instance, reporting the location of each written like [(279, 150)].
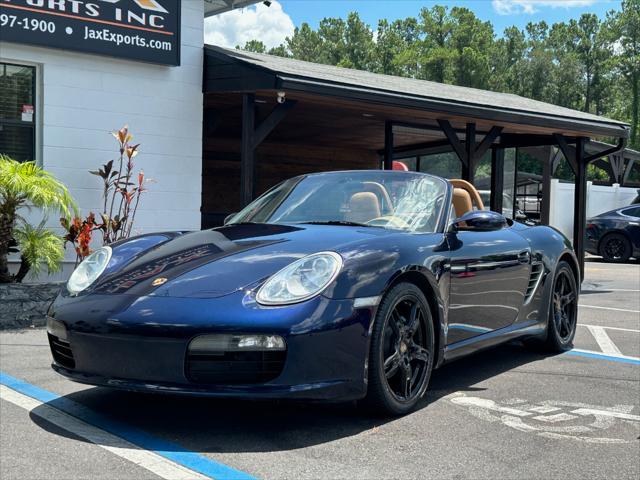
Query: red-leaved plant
[(79, 234), (120, 196)]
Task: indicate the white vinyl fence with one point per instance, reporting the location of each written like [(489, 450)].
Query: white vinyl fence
[(600, 199)]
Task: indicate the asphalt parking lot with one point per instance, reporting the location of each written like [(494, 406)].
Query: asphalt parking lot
[(504, 413)]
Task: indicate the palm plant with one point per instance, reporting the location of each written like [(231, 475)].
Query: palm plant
[(38, 246), (25, 185)]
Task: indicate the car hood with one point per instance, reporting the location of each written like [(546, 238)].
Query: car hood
[(217, 262)]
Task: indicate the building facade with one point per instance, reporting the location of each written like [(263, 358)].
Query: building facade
[(59, 105)]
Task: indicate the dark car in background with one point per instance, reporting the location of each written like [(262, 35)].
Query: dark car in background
[(615, 235)]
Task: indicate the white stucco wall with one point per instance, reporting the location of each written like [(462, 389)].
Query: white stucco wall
[(82, 98)]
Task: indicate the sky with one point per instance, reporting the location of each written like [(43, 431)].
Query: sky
[(273, 24)]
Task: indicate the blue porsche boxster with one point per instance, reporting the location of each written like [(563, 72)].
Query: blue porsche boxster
[(331, 286)]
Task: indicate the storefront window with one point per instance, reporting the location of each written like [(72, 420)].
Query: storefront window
[(17, 111)]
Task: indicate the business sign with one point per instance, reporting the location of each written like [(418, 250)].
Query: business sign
[(146, 30)]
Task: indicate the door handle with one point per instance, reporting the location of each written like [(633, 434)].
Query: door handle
[(524, 257)]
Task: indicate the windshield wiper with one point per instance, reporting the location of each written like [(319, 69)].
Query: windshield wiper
[(339, 222)]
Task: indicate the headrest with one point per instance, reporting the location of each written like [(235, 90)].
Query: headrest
[(364, 207), (461, 201)]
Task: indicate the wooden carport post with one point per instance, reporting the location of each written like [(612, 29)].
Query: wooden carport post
[(497, 178), (388, 146), (580, 203), (247, 150), (253, 136), (577, 158)]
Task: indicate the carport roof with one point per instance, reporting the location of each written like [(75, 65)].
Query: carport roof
[(273, 72)]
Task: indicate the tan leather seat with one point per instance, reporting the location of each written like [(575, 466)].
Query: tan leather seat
[(465, 196), (363, 206), (461, 201)]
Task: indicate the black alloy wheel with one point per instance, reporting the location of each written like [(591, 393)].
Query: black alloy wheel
[(615, 247), (563, 313), (402, 351)]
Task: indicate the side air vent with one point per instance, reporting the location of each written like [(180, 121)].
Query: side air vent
[(537, 269), (61, 351)]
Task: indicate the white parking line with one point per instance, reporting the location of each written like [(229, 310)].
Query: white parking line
[(610, 308), (148, 460), (607, 290), (610, 328), (604, 342), (489, 405), (606, 413)]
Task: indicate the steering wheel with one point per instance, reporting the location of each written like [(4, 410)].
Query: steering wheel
[(388, 220)]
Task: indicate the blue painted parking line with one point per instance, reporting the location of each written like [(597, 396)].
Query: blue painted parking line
[(168, 450), (602, 356)]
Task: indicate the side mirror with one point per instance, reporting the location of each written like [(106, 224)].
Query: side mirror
[(479, 221), (228, 218)]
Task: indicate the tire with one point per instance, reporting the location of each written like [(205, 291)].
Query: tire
[(563, 310), (401, 353), (615, 247)]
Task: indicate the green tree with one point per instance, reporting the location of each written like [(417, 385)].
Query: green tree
[(588, 63), (592, 50), (255, 46), (537, 68), (280, 51), (507, 61), (332, 34), (358, 44), (628, 28), (566, 71), (393, 41), (23, 185), (471, 41), (305, 44), (435, 53)]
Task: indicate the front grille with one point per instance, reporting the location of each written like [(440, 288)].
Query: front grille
[(61, 351), (537, 269), (235, 368)]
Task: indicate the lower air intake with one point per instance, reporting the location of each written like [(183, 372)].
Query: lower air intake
[(235, 367), (61, 351)]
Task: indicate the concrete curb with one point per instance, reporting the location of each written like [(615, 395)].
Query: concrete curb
[(24, 305)]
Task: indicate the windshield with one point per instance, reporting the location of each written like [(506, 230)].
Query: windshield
[(395, 200)]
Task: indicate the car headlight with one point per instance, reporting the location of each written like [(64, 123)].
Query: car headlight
[(89, 270), (300, 280)]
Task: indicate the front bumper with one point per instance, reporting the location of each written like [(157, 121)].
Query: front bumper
[(335, 390), (141, 344)]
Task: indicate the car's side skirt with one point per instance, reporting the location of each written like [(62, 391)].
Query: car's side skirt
[(491, 339)]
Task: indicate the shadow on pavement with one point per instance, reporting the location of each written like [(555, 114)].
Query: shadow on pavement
[(222, 426)]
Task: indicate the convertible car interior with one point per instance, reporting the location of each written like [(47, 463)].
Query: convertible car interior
[(465, 197), (373, 201)]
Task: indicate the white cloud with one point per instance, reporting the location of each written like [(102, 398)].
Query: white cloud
[(259, 22), (513, 7)]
